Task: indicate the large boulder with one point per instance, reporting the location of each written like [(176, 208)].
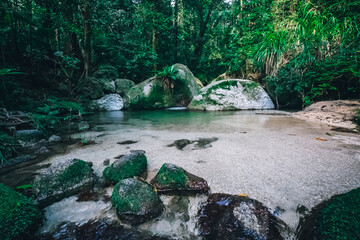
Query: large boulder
[(160, 92), (232, 217), (63, 180), (90, 88), (172, 178), (136, 201), (134, 164), (122, 86), (336, 218), (110, 102), (232, 94), (19, 215)]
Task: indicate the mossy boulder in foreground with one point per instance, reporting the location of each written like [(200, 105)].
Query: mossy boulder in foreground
[(229, 217), (154, 93), (134, 164), (337, 218), (135, 201), (63, 180), (172, 178), (231, 94), (19, 215)]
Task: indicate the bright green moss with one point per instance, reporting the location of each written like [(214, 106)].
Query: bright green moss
[(19, 215), (75, 172), (130, 196), (172, 176), (339, 218), (128, 166)]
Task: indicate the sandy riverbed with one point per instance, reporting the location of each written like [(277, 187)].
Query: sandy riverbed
[(275, 159)]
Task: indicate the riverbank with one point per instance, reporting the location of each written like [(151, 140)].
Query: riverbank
[(338, 113)]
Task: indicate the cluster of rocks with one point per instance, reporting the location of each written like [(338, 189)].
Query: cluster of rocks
[(29, 144), (163, 92), (136, 201)]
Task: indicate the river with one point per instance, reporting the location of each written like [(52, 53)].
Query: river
[(267, 155)]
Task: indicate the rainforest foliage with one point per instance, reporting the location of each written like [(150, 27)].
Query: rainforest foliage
[(301, 50)]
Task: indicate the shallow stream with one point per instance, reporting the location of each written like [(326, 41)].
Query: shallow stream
[(267, 155)]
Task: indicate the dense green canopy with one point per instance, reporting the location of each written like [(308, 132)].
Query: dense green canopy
[(301, 49)]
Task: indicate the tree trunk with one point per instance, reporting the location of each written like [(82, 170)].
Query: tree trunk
[(199, 45), (154, 10), (87, 37), (176, 30)]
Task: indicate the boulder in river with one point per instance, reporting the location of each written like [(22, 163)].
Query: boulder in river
[(161, 92), (19, 215), (336, 218), (136, 201), (172, 178), (231, 94), (122, 86), (232, 217), (54, 138), (110, 102), (134, 164), (63, 180)]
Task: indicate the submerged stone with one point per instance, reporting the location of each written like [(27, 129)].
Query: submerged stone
[(134, 164), (19, 215), (63, 180), (136, 201), (172, 178), (110, 102), (180, 144), (203, 143), (228, 217), (336, 218), (231, 94), (158, 93)]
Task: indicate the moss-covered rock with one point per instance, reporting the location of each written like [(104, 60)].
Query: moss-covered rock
[(337, 218), (123, 86), (231, 94), (230, 217), (63, 180), (135, 201), (172, 178), (90, 88), (19, 215), (134, 164), (155, 94)]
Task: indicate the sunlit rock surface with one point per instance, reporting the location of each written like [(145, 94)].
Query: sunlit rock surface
[(231, 94), (110, 102)]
